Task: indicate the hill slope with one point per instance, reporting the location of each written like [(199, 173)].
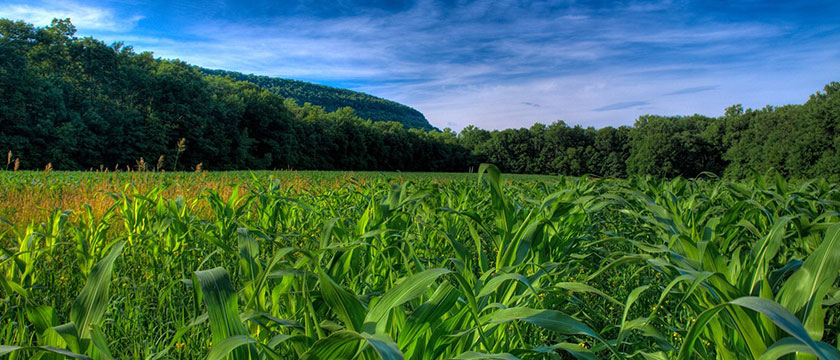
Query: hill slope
[(366, 106), (78, 103)]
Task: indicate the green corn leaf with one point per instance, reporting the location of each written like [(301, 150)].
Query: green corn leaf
[(69, 333), (345, 304), (8, 349), (249, 250), (548, 319), (631, 299), (654, 356), (518, 249), (223, 309), (224, 348), (100, 343), (472, 355), (44, 319), (497, 280), (765, 249), (803, 293), (339, 345), (775, 312), (576, 350), (583, 288), (258, 315), (617, 262), (410, 288), (70, 354), (326, 233), (422, 317), (384, 346), (784, 347), (283, 338), (344, 345), (90, 306), (786, 321), (501, 206)]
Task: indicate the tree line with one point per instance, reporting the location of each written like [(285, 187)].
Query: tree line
[(78, 103), (799, 141)]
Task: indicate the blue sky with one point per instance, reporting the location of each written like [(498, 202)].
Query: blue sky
[(495, 64)]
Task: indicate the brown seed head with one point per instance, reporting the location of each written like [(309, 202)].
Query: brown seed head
[(141, 164)]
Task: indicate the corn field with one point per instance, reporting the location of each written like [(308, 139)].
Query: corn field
[(385, 266)]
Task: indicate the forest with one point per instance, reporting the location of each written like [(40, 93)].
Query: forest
[(79, 104)]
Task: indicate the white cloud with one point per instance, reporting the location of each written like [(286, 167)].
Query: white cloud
[(83, 17)]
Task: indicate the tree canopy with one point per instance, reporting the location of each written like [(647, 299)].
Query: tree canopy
[(78, 103)]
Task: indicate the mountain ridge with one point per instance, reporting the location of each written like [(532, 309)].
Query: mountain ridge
[(331, 98)]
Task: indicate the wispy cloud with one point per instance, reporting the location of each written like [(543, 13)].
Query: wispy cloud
[(621, 105), (692, 90), (83, 16)]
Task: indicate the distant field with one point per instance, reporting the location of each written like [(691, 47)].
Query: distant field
[(27, 194), (369, 265)]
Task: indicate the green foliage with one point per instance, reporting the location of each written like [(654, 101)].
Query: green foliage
[(801, 141), (552, 149), (422, 267), (78, 103), (222, 308), (673, 146), (331, 99), (82, 337)]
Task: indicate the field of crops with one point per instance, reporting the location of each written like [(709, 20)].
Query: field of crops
[(318, 265)]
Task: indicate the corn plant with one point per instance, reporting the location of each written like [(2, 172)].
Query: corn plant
[(329, 265)]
